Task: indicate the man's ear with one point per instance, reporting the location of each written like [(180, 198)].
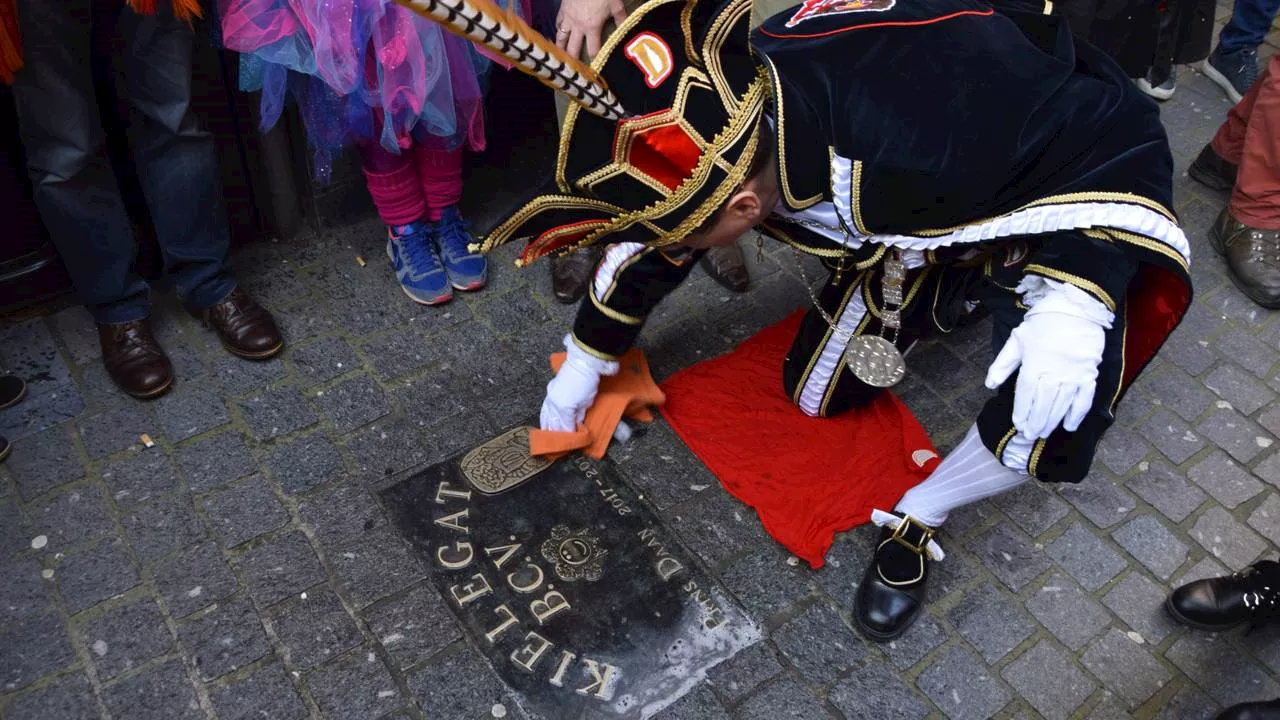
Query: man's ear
[(745, 206)]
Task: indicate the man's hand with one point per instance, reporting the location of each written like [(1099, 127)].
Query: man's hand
[(572, 391), (1058, 348), (582, 21)]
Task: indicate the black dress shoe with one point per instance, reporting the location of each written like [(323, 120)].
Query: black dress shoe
[(1251, 595), (892, 591), (1252, 711)]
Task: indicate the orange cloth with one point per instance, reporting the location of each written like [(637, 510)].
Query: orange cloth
[(808, 478), (630, 393)]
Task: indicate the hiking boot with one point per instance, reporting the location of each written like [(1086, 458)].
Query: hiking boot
[(1212, 171), (1269, 710), (1249, 596), (727, 266), (466, 270), (570, 274), (1253, 257), (417, 266), (1234, 72), (1159, 83)]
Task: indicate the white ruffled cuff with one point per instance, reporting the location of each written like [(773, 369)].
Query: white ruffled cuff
[(1043, 295)]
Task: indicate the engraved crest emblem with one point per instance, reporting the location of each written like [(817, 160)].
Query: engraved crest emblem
[(576, 554), (502, 463)]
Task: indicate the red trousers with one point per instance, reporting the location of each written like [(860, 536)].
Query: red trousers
[(1250, 138)]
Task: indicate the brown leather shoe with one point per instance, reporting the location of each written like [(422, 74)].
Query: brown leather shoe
[(1253, 256), (244, 327), (571, 274), (727, 266), (1212, 171), (133, 358)]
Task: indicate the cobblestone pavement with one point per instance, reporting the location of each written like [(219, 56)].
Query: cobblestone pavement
[(243, 568)]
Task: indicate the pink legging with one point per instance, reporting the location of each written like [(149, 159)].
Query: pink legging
[(417, 183)]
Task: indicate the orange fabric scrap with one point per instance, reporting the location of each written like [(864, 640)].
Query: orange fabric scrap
[(630, 393)]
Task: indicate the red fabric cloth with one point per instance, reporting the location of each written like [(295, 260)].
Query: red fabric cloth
[(1250, 139), (808, 478)]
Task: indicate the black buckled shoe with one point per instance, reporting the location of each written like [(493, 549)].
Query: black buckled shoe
[(1269, 710), (892, 591), (1215, 604)]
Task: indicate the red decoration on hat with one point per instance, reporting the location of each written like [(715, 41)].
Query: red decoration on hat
[(665, 153)]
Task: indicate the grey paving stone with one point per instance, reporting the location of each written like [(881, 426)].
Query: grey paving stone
[(164, 526), (279, 568), (140, 477), (662, 467), (1229, 541), (1032, 508), (783, 699), (718, 527), (962, 687), (322, 361), (67, 698), (1226, 481), (71, 517), (95, 574), (438, 395), (160, 693), (125, 637), (267, 693), (1189, 704), (397, 353), (238, 376), (1046, 678), (340, 516), (316, 628), (189, 410), (227, 637), (1229, 677), (276, 412), (1125, 667), (16, 532), (1167, 490), (1206, 568), (1245, 348), (215, 461), (245, 511), (116, 429), (1239, 388), (194, 579), (1133, 411), (1010, 555), (44, 461), (876, 691), (1171, 436), (1152, 544), (78, 332), (992, 623), (301, 324), (387, 448), (358, 686), (1269, 469), (1121, 449), (304, 463), (699, 704), (459, 684), (1072, 616), (1188, 354), (741, 674), (765, 583), (413, 626), (376, 566), (919, 640), (458, 435), (32, 648), (1087, 558), (1140, 603), (1099, 499), (1179, 392), (352, 404), (1264, 643), (1236, 434), (25, 591), (819, 644), (847, 562), (1266, 517)]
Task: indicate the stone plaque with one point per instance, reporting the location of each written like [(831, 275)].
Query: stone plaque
[(583, 602)]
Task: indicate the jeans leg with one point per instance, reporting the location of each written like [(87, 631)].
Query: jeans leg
[(75, 190), (177, 159), (1249, 24)]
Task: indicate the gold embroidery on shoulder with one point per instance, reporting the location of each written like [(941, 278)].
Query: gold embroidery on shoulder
[(783, 174)]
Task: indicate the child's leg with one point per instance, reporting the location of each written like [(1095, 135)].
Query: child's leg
[(394, 185)]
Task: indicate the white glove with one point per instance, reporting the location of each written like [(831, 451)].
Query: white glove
[(573, 389), (1059, 346)]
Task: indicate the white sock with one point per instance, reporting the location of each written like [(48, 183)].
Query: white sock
[(969, 474)]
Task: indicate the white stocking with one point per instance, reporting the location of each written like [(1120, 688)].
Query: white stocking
[(969, 474)]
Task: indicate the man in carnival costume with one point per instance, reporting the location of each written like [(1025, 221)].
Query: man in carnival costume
[(937, 155)]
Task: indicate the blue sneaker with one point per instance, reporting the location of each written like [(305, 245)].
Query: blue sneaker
[(417, 266), (467, 270), (1234, 72)]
